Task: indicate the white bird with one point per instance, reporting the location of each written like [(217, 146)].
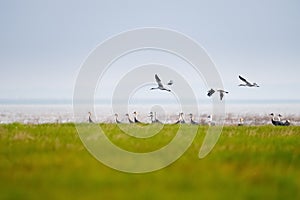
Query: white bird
[(153, 118), (90, 119), (135, 119), (247, 83), (180, 119), (278, 122), (210, 121), (279, 117), (116, 119), (160, 85), (212, 91), (129, 120), (241, 122), (191, 119)]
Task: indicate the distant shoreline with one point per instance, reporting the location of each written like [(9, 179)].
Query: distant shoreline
[(141, 101)]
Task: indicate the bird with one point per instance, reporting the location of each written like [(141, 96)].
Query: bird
[(160, 85), (210, 121), (135, 120), (247, 83), (279, 117), (241, 122), (90, 119), (278, 122), (191, 118), (153, 118), (287, 123), (180, 119), (129, 120), (222, 93), (117, 121), (274, 121), (212, 91)]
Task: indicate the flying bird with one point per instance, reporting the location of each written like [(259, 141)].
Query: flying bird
[(247, 83), (160, 85), (222, 93), (212, 91)]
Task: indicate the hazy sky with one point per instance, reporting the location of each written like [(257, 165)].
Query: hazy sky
[(44, 43)]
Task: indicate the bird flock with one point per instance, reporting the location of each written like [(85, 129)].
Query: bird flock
[(160, 86), (154, 120)]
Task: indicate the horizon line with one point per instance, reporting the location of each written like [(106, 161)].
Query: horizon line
[(10, 101)]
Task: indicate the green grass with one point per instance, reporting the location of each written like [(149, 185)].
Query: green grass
[(50, 162)]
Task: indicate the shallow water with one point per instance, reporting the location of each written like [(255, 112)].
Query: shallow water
[(256, 113)]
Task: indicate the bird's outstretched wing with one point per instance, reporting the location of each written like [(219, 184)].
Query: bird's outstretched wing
[(210, 92), (243, 79), (158, 81), (170, 82)]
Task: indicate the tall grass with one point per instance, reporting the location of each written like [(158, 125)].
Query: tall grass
[(49, 162)]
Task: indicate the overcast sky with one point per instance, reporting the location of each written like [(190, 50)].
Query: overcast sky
[(44, 43)]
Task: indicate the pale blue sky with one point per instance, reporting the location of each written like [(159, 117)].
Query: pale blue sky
[(43, 43)]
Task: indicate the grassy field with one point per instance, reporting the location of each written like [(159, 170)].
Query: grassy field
[(49, 161)]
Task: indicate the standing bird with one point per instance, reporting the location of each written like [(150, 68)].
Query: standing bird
[(135, 119), (275, 122), (210, 120), (116, 119), (279, 117), (191, 118), (90, 119), (180, 119), (212, 91), (160, 85), (153, 118), (247, 83), (129, 120), (286, 123), (241, 122), (279, 122)]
